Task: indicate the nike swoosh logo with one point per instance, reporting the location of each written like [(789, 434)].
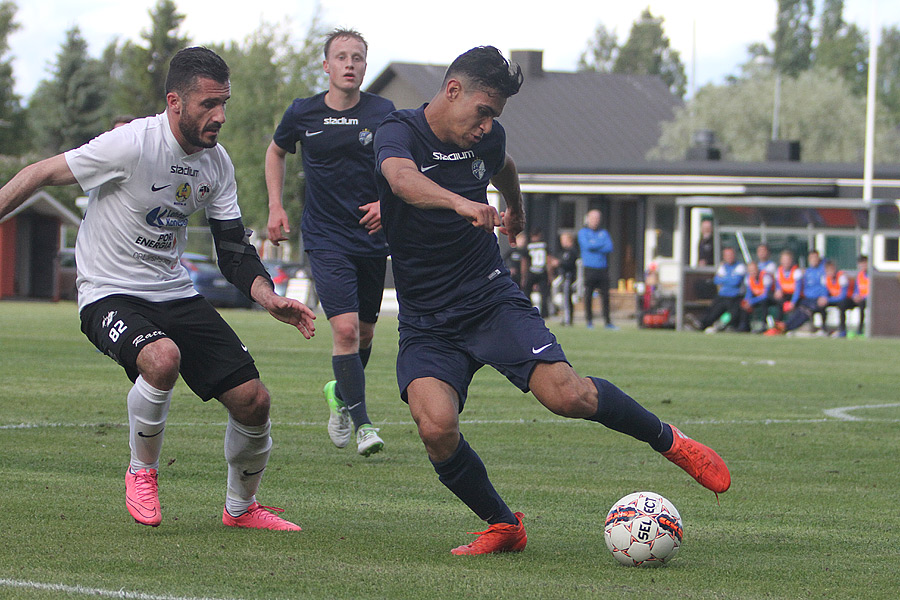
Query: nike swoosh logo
[(541, 349), (244, 347), (144, 435), (423, 168), (312, 133), (141, 509), (246, 474), (153, 187), (354, 406)]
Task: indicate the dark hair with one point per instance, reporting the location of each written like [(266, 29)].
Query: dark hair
[(341, 33), (486, 67), (190, 63), (862, 258)]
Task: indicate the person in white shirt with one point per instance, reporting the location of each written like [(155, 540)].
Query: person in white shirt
[(136, 300)]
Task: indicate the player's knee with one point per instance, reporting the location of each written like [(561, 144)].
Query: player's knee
[(577, 399), (440, 439), (159, 362), (345, 334), (365, 337), (250, 404)]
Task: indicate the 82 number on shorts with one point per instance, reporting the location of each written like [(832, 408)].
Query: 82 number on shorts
[(117, 329)]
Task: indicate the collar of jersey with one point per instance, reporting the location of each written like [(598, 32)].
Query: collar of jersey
[(174, 146)]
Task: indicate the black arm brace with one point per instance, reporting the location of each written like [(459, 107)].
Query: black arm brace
[(238, 259)]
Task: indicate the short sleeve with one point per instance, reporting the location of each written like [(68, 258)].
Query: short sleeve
[(111, 156), (225, 204), (286, 133), (394, 139)]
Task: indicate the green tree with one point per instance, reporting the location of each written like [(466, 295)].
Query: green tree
[(889, 74), (793, 36), (818, 108), (602, 51), (648, 52), (841, 46), (71, 108), (139, 70), (12, 117), (268, 70)]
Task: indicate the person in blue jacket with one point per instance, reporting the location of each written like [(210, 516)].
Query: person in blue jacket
[(730, 280), (595, 244), (811, 296)]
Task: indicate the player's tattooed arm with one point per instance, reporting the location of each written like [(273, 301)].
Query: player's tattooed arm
[(507, 182), (418, 190), (52, 171)]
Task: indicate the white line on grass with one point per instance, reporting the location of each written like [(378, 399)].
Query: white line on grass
[(841, 412), (831, 414), (89, 591)]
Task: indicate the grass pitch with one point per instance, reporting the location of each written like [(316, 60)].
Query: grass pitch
[(809, 428)]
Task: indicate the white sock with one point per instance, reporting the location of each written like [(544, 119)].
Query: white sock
[(247, 450), (148, 408)]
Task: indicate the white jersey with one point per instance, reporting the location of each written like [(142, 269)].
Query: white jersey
[(142, 187)]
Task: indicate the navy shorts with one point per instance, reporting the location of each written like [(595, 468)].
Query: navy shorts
[(346, 283), (509, 335), (213, 359)]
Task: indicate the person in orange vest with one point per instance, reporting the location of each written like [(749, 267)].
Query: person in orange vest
[(838, 285), (786, 277), (860, 294), (757, 299)]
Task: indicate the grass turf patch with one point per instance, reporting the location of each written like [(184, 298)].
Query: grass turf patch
[(382, 527)]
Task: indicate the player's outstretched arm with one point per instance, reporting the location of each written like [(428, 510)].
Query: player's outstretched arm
[(52, 171), (278, 219), (415, 188), (507, 183), (286, 310)]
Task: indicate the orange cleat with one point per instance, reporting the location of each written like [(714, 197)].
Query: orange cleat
[(700, 461), (777, 330), (260, 517), (499, 537), (142, 496)]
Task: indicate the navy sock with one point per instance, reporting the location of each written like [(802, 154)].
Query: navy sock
[(619, 411), (464, 475), (351, 386), (364, 354)]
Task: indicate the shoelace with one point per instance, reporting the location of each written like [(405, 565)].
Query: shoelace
[(144, 486), (267, 511)]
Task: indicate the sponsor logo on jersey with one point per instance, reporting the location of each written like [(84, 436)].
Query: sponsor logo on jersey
[(366, 137), (203, 191), (154, 188), (178, 170), (341, 121), (453, 155), (478, 169), (312, 133), (168, 219), (164, 242), (155, 258), (183, 193)]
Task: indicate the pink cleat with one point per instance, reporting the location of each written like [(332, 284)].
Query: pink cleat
[(260, 517), (142, 496)]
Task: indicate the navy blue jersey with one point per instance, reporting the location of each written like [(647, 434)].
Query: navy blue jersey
[(440, 260), (339, 166)]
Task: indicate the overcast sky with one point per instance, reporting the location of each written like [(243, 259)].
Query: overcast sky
[(429, 32)]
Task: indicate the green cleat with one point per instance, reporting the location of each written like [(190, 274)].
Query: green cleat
[(368, 442), (339, 427)]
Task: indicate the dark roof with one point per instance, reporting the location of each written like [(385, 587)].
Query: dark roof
[(564, 121)]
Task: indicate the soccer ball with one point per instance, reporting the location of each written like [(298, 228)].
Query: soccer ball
[(643, 529)]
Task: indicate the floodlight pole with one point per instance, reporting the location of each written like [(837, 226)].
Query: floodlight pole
[(868, 165)]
